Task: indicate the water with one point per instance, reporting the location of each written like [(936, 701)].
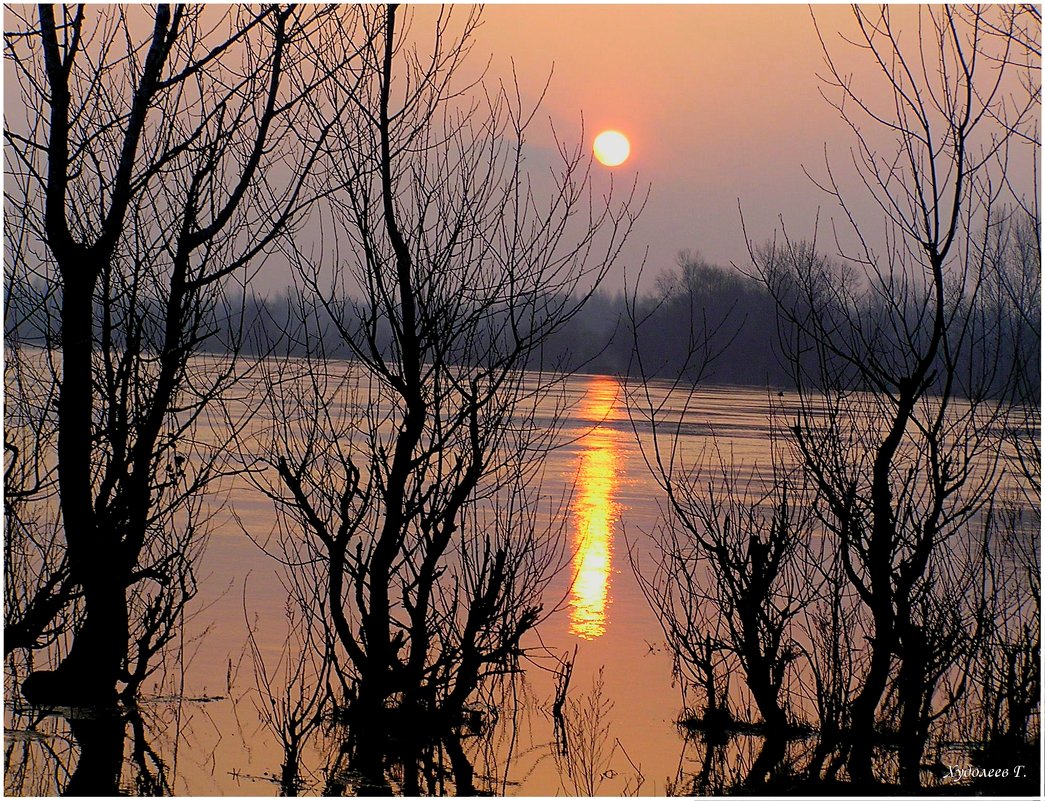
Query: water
[(601, 614), (203, 725)]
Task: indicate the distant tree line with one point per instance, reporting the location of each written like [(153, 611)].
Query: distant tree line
[(729, 315)]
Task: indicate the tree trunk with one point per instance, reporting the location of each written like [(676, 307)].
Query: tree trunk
[(912, 689), (862, 714), (92, 668), (95, 664)]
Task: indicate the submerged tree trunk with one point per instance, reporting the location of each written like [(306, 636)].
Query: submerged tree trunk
[(90, 671), (100, 764), (912, 685), (768, 760)]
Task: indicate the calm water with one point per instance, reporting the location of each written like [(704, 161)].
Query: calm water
[(203, 723), (600, 611)]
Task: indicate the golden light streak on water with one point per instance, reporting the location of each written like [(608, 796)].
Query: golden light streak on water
[(596, 511)]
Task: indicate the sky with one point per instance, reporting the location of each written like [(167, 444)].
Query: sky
[(721, 104)]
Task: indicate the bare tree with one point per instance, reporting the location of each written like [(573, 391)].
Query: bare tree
[(406, 477), (730, 578), (896, 427), (159, 158)]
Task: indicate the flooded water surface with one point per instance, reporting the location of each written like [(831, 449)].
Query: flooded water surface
[(207, 728)]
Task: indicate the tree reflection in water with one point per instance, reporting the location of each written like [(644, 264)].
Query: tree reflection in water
[(85, 751), (327, 748), (726, 761), (409, 763)]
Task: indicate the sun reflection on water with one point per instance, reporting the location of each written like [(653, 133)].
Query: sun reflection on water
[(595, 509)]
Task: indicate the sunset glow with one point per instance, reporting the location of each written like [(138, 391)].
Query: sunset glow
[(612, 148), (595, 512), (366, 329)]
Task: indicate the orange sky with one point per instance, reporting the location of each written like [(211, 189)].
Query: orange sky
[(720, 102), (722, 105)]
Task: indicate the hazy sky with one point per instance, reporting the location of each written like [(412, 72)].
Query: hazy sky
[(721, 104)]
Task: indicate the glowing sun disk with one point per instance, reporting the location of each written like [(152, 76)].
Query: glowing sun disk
[(611, 148)]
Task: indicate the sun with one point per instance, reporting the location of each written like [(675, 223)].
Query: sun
[(611, 148)]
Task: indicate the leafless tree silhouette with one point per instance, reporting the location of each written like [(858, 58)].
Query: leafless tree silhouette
[(899, 410), (742, 534), (406, 478), (917, 403), (730, 578), (160, 157)]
